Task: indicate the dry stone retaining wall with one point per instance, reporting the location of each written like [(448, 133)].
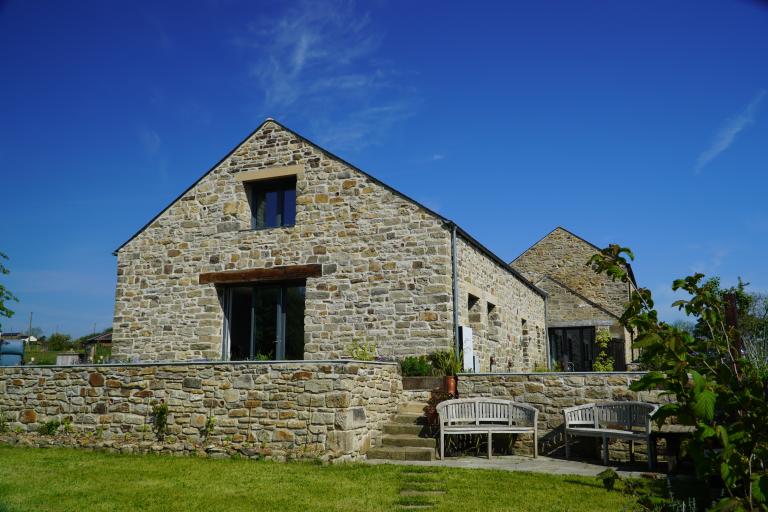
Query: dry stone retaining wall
[(550, 393), (327, 410)]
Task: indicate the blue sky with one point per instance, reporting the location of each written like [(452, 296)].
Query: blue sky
[(643, 123)]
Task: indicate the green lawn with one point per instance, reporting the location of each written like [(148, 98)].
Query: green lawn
[(65, 479)]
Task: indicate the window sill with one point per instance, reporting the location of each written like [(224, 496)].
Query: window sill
[(249, 230)]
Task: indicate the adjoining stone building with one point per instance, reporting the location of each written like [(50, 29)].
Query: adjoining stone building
[(285, 251), (579, 302)]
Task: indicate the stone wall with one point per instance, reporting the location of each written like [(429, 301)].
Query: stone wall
[(571, 310), (386, 263), (328, 410), (563, 256), (506, 315), (550, 393)]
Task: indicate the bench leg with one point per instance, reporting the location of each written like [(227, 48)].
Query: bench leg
[(632, 451), (567, 447), (490, 445), (442, 445), (605, 450), (651, 453), (535, 445)]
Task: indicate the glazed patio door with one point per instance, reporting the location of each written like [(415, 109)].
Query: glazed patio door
[(264, 322)]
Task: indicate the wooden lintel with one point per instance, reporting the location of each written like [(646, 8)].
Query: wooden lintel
[(259, 275)]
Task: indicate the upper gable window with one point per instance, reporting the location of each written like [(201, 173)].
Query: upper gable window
[(273, 203)]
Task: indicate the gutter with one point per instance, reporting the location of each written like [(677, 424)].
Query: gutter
[(455, 290), (546, 335)]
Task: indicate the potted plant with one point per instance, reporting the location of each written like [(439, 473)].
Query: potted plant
[(446, 363)]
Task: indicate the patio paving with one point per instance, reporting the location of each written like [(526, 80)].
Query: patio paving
[(540, 464)]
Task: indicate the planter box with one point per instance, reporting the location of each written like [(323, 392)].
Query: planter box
[(423, 383)]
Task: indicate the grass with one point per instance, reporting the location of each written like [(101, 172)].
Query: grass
[(59, 479), (44, 356)]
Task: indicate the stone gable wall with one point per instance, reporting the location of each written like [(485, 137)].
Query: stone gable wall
[(326, 410), (568, 308), (386, 265), (499, 333), (563, 256)]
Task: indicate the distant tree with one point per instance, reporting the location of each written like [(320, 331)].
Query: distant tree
[(59, 341), (5, 294), (37, 332), (684, 325), (82, 339)]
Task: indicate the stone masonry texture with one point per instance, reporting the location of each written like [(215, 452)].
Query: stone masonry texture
[(500, 304), (386, 263), (331, 411), (558, 264), (550, 393)]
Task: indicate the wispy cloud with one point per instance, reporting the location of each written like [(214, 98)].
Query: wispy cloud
[(437, 156), (728, 132), (320, 60), (711, 262), (151, 144)]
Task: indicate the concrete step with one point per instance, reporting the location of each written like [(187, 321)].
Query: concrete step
[(410, 418), (403, 428), (412, 408), (407, 440), (402, 453)]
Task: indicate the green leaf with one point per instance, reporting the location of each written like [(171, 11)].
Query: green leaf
[(699, 382), (728, 476), (648, 381), (704, 405), (722, 434), (760, 488)]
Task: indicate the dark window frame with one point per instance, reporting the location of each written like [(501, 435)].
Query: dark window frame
[(280, 186)]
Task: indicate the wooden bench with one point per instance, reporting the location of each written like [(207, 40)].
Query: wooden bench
[(611, 420), (486, 416)]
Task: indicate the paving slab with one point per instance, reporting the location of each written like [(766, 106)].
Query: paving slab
[(540, 464)]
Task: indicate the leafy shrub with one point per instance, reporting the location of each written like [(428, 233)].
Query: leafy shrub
[(416, 366), (160, 419), (364, 351), (49, 428), (603, 362), (717, 389), (210, 424), (445, 362)]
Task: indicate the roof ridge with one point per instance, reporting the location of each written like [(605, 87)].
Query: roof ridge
[(402, 195)]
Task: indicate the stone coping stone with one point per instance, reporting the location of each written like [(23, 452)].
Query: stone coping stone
[(548, 374), (423, 383), (308, 362)]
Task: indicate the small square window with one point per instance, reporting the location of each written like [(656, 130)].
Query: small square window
[(273, 203)]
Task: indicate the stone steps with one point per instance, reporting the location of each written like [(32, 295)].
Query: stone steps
[(401, 428), (412, 408), (405, 435), (402, 453), (410, 418), (408, 440)]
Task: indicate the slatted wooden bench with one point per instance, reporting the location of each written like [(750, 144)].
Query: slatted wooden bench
[(487, 416), (611, 420)]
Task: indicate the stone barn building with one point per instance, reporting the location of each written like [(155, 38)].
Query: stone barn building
[(283, 251), (579, 302)]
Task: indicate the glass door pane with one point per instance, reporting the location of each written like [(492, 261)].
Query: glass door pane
[(240, 305), (294, 322), (264, 326)]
